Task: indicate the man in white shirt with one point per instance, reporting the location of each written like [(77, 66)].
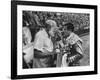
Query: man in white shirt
[(43, 46)]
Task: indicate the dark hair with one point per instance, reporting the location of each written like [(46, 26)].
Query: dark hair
[(70, 26)]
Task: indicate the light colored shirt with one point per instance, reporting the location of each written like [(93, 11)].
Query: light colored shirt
[(42, 41), (27, 37), (28, 50)]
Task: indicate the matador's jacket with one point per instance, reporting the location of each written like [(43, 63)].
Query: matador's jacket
[(73, 51)]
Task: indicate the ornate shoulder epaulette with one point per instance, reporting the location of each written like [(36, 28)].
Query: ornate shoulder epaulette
[(72, 39)]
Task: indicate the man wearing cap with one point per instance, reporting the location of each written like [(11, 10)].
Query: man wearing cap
[(43, 46)]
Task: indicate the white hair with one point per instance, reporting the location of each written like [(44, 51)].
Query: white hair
[(52, 23)]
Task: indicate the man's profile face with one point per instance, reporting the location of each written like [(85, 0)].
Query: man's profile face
[(51, 27), (51, 32)]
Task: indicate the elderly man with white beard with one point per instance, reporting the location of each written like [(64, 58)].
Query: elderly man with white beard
[(43, 46)]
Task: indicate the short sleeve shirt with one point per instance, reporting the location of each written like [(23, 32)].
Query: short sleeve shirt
[(43, 41)]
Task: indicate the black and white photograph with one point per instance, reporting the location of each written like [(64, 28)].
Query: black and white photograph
[(53, 40)]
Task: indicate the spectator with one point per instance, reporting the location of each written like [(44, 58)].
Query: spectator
[(27, 52)]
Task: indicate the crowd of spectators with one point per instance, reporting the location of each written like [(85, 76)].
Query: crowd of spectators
[(34, 20)]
